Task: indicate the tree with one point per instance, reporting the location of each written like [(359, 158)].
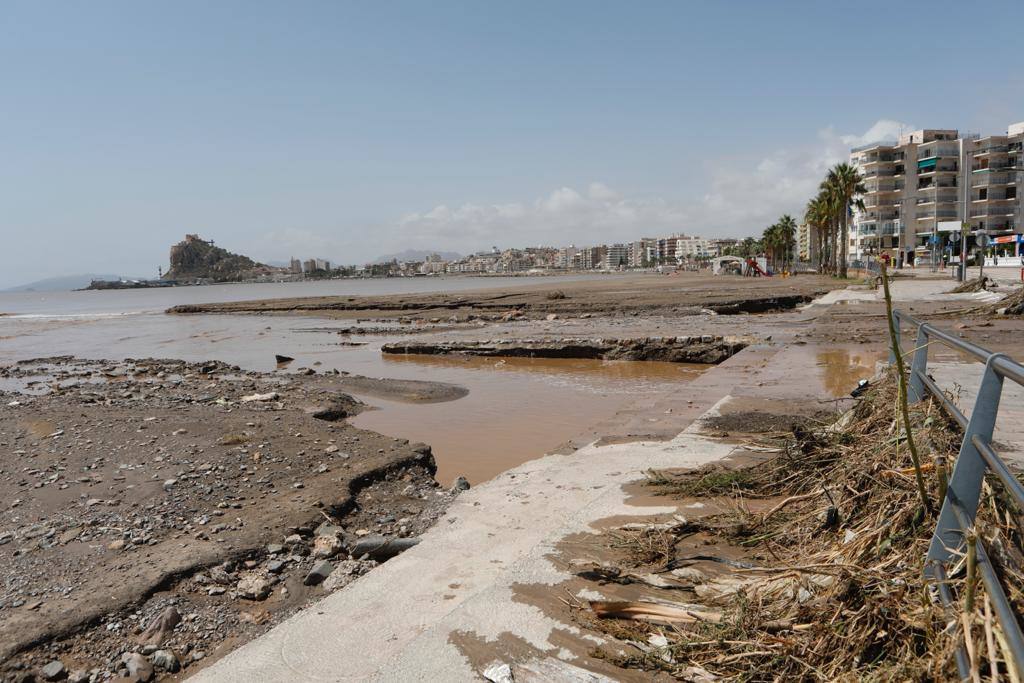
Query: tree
[(845, 185), (785, 235), (816, 215)]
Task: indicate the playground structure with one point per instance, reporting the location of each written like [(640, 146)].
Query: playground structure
[(737, 265)]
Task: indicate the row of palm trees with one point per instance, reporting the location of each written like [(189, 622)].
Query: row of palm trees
[(828, 216), (779, 242)]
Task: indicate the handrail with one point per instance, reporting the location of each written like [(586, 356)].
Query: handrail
[(977, 456)]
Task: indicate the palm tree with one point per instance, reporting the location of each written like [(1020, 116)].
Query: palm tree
[(816, 216), (846, 184), (785, 235), (769, 238)]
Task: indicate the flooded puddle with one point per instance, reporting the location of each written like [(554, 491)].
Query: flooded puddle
[(517, 409)]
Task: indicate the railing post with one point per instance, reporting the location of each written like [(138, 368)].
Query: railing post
[(965, 483), (916, 390)]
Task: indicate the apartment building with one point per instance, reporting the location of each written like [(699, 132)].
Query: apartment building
[(718, 246), (921, 188), (692, 248), (566, 257), (616, 255), (804, 242), (642, 252)]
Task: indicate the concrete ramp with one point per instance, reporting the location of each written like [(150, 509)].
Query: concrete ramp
[(404, 621)]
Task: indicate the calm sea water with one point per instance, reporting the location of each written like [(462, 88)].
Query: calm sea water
[(128, 301)]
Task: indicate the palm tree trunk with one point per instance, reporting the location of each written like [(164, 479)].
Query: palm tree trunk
[(846, 242)]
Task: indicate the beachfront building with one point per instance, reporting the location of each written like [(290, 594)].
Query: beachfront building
[(566, 257), (718, 246), (642, 252), (616, 256), (922, 187), (805, 243), (692, 248)]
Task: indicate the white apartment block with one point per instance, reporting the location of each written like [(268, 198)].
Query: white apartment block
[(920, 189), (617, 255), (691, 248)]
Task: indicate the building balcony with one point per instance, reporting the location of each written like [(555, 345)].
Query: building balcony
[(997, 166), (994, 210), (993, 179), (933, 213)]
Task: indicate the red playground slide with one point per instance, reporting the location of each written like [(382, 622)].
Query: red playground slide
[(752, 264)]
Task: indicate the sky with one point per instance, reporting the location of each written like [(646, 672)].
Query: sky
[(347, 130)]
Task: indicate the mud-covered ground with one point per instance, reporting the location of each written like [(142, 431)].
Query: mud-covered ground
[(681, 293), (197, 496)]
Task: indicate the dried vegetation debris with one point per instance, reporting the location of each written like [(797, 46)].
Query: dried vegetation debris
[(813, 568)]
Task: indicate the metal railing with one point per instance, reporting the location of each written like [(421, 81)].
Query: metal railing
[(977, 458)]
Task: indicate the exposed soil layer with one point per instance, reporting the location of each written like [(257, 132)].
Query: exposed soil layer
[(760, 422), (133, 487), (626, 294), (706, 349)]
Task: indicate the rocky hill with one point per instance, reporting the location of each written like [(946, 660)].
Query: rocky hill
[(194, 259)]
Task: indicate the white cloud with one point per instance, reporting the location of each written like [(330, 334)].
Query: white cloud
[(741, 199)]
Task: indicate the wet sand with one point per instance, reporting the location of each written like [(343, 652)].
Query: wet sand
[(644, 293)]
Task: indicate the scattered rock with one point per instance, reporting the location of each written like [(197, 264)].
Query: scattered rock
[(54, 671), (320, 571), (160, 628), (253, 587), (461, 484), (259, 398), (166, 661), (326, 546), (499, 673), (139, 668), (381, 549)]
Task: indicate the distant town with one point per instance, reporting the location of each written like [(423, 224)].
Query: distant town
[(648, 252), (199, 261)]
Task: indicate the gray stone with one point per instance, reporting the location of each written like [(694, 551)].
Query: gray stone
[(139, 668), (461, 484), (320, 571), (379, 548), (54, 671), (328, 529), (253, 587), (166, 660)]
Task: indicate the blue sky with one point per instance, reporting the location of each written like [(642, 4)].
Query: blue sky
[(347, 130)]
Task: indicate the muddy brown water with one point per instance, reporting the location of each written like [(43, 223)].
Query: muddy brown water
[(516, 409)]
